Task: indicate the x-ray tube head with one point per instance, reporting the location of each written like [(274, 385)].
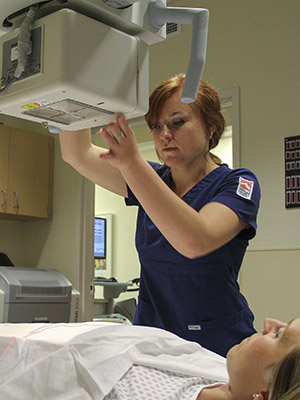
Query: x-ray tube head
[(88, 59), (80, 73)]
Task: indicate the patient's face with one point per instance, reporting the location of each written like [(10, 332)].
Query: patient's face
[(248, 361)]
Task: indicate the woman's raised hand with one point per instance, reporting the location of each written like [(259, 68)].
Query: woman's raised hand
[(123, 151)]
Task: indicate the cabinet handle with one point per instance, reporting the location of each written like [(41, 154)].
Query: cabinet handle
[(3, 205), (16, 206)]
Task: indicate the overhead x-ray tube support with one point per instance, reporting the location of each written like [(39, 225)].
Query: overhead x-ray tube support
[(159, 14)]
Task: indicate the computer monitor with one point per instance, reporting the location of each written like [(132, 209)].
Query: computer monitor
[(100, 238), (103, 245)]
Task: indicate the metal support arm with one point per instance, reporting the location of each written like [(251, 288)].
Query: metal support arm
[(159, 14)]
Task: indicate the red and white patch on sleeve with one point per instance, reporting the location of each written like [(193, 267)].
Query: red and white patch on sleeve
[(245, 188)]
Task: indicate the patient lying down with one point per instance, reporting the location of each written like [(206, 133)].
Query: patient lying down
[(111, 361)]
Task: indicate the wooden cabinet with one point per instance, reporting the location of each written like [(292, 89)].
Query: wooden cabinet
[(26, 174)]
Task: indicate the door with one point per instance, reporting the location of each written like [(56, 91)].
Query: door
[(4, 160)]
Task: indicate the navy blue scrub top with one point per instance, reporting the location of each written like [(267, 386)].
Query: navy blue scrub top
[(198, 299)]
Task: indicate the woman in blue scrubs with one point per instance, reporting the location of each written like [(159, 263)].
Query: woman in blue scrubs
[(196, 215)]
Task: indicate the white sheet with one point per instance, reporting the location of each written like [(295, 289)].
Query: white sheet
[(83, 361)]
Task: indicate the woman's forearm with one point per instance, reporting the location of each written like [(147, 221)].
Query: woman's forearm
[(181, 225), (78, 151)]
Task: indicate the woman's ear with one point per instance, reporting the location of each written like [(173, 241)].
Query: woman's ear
[(261, 395), (264, 395), (213, 128)]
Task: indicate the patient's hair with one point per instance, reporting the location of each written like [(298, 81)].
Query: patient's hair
[(207, 106), (285, 384)]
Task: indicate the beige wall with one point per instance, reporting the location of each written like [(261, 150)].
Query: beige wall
[(254, 45), (270, 279)]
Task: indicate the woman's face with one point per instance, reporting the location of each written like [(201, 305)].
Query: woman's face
[(180, 136), (248, 361)]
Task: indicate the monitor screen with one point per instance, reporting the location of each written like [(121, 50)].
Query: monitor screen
[(100, 238)]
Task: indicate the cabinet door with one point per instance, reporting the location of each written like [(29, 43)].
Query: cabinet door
[(4, 158), (30, 174)]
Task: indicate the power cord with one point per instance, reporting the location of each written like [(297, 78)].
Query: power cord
[(8, 84), (23, 47)]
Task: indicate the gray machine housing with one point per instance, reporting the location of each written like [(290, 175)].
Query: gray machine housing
[(34, 295)]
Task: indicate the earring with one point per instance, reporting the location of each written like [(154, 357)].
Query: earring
[(255, 395), (211, 135)]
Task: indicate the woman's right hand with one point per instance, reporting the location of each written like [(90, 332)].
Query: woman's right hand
[(123, 149), (85, 157)]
